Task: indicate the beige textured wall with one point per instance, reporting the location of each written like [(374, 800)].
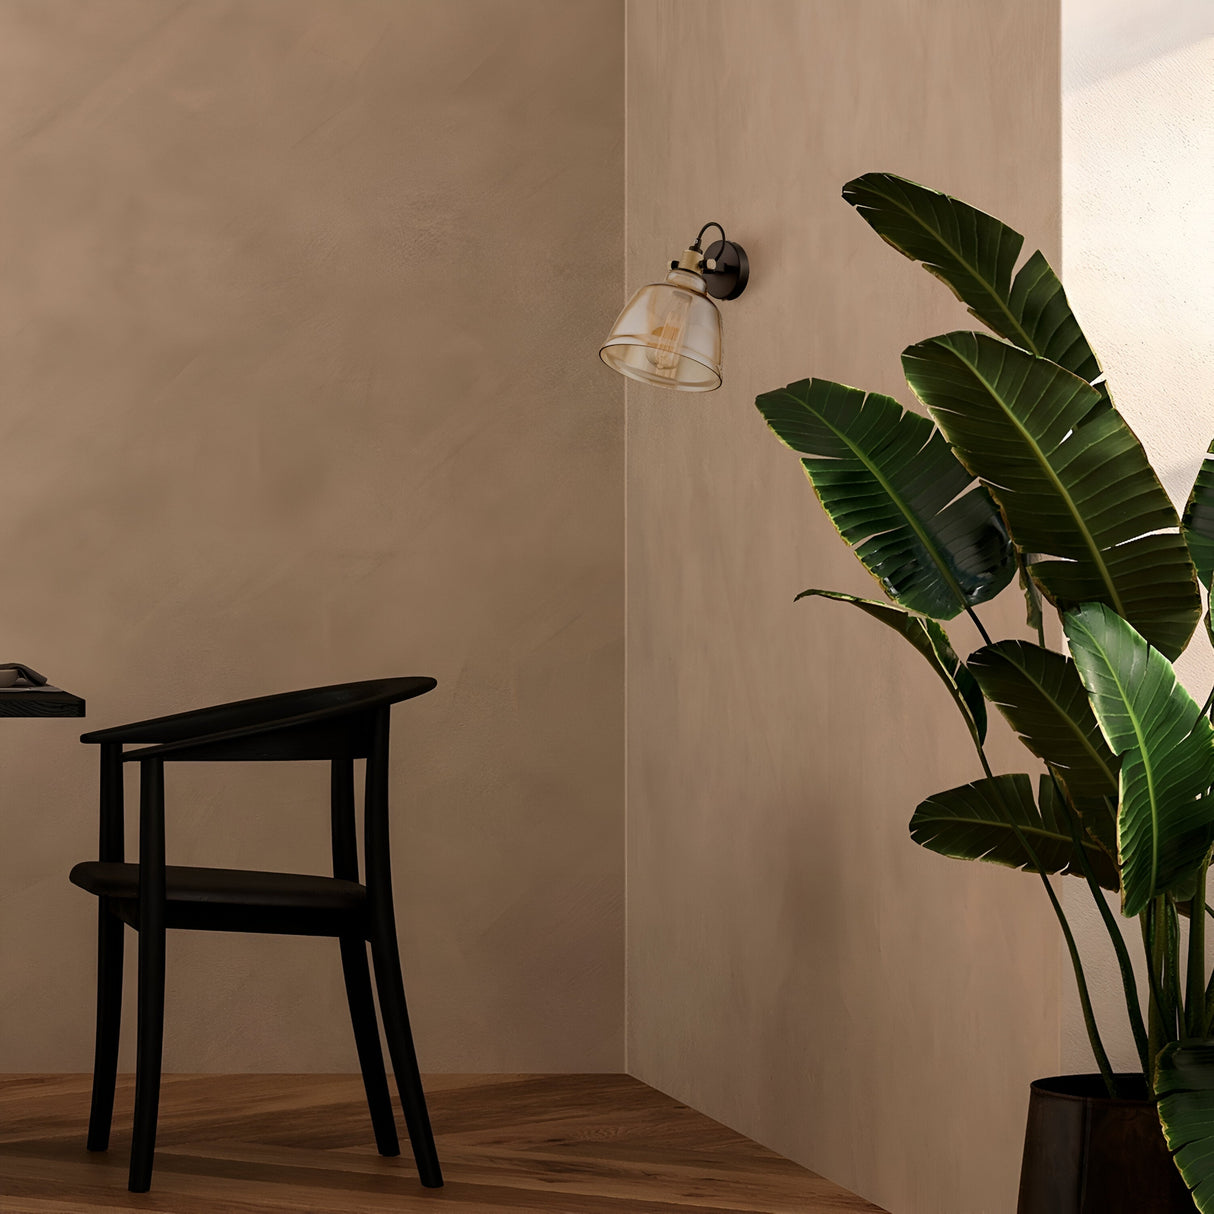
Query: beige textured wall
[(797, 967), (294, 301)]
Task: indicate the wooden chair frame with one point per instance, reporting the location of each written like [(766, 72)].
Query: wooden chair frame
[(339, 724)]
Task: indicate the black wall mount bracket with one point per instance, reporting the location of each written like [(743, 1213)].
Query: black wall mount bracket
[(726, 269)]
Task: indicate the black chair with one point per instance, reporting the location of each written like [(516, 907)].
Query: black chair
[(339, 724)]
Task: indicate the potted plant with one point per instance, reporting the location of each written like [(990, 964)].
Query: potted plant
[(1026, 472)]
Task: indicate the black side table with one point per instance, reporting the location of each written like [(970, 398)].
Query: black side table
[(37, 703)]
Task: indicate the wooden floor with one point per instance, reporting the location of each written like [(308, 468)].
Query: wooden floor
[(577, 1144)]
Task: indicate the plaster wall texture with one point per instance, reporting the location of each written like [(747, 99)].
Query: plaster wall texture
[(1137, 190), (293, 316), (797, 968), (294, 320)]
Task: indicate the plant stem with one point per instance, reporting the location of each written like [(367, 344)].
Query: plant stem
[(986, 636), (986, 767), (1085, 1002), (1195, 972), (1171, 963), (1152, 944), (1209, 1021), (1154, 1000), (1129, 985)]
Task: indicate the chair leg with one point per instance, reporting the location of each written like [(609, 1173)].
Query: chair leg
[(386, 955), (148, 1057), (109, 1020), (366, 1038)]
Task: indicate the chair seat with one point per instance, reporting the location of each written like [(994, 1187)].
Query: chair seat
[(234, 899)]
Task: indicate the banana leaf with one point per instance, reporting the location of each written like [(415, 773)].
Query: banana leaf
[(897, 495), (1032, 596), (1165, 823), (974, 255), (1070, 476), (1098, 816), (1198, 520), (932, 642), (1184, 1083), (999, 820), (1042, 696)]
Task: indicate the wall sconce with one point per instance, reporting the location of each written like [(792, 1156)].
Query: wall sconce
[(669, 333)]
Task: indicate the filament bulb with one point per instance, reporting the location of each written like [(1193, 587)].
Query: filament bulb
[(665, 353)]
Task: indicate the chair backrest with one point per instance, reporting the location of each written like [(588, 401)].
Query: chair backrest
[(334, 722), (338, 723)]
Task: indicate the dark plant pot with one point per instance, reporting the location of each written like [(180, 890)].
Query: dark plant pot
[(1085, 1153)]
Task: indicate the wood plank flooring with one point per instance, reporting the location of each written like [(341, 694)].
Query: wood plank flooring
[(518, 1144)]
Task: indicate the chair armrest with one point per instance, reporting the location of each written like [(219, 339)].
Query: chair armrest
[(264, 711), (197, 723), (267, 737)]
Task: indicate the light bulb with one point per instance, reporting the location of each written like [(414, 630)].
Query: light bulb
[(668, 337)]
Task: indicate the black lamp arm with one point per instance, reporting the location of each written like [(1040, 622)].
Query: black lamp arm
[(712, 223)]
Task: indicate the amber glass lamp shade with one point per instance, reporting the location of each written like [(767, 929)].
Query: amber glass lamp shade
[(668, 334)]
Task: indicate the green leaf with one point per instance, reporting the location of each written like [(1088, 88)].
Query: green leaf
[(1184, 1083), (897, 495), (1152, 583), (1098, 816), (1070, 476), (998, 820), (974, 254), (1166, 821), (932, 642), (1042, 696), (1198, 520), (1032, 596)]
